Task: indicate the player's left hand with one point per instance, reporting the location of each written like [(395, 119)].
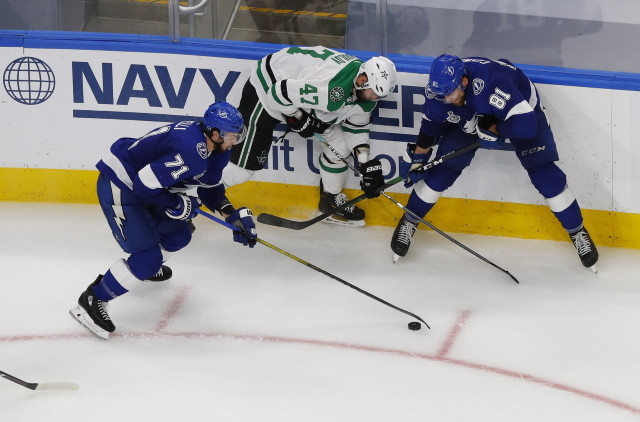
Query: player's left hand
[(372, 177), (243, 219), (487, 133)]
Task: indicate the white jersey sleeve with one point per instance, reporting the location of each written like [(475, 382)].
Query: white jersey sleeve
[(312, 78)]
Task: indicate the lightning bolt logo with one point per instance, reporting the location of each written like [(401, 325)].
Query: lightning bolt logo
[(118, 217)]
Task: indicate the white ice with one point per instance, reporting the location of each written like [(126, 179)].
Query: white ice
[(245, 334)]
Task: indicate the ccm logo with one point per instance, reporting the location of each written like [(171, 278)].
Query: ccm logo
[(532, 151)]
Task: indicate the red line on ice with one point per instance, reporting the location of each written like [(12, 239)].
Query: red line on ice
[(453, 334)]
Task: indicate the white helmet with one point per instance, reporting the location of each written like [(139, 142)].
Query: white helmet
[(381, 75)]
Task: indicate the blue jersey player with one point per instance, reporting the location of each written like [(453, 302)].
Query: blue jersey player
[(473, 99), (149, 190)]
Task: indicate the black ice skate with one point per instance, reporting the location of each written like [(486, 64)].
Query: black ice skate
[(163, 274), (91, 312), (350, 216), (586, 248), (401, 239)]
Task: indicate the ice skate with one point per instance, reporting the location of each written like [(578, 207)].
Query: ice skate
[(350, 216), (402, 236), (91, 312), (163, 274), (586, 248)]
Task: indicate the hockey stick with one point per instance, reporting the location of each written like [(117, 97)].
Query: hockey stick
[(408, 211), (41, 385), (274, 220), (313, 267), (437, 230)]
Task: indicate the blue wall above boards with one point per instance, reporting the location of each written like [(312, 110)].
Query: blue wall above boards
[(253, 51)]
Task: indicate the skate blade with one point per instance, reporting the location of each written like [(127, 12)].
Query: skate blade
[(396, 257), (84, 319), (594, 268), (341, 222)]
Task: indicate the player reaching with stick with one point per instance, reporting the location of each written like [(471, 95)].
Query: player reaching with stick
[(492, 100), (315, 90), (149, 189)]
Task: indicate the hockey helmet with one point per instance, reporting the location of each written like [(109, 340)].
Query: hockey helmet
[(381, 75), (224, 118), (445, 76)]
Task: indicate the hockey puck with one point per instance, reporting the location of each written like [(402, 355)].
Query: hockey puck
[(414, 326)]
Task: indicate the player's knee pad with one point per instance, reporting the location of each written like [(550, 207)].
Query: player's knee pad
[(426, 193), (144, 264), (548, 179), (333, 175), (441, 178), (233, 174), (174, 235), (420, 206), (331, 162), (453, 140)]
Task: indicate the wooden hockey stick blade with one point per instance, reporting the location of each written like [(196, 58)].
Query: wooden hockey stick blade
[(41, 385)]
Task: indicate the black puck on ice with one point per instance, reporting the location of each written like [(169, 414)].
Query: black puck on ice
[(414, 326)]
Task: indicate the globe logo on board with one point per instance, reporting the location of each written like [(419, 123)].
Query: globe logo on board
[(29, 80)]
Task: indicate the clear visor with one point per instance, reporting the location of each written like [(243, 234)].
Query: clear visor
[(233, 138), (442, 97)]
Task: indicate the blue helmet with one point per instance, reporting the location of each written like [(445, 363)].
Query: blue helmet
[(224, 117), (445, 75)]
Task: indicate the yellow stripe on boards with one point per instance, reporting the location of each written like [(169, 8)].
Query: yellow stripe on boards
[(452, 215), (48, 185)]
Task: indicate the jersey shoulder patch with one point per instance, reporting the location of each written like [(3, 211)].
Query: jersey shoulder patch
[(340, 86), (201, 147)]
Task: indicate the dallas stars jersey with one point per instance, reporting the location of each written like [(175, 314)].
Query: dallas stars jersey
[(317, 79), (168, 160)]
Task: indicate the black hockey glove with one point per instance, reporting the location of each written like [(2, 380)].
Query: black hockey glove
[(306, 125), (372, 177)]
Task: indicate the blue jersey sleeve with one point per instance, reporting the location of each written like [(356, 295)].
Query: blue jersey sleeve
[(517, 117), (502, 90), (173, 156)]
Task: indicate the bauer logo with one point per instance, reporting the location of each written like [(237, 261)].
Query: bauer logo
[(29, 80)]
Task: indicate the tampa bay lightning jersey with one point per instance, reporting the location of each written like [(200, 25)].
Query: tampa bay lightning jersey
[(168, 160), (496, 88)]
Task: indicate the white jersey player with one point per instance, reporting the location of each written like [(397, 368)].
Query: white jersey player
[(315, 90)]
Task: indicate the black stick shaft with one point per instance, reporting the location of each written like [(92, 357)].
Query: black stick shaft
[(423, 221), (29, 385), (448, 237), (274, 220), (308, 264)]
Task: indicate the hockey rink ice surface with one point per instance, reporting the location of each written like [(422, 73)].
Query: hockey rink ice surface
[(243, 334)]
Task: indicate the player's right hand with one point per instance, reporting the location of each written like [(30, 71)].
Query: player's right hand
[(246, 234), (186, 209), (306, 125)]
